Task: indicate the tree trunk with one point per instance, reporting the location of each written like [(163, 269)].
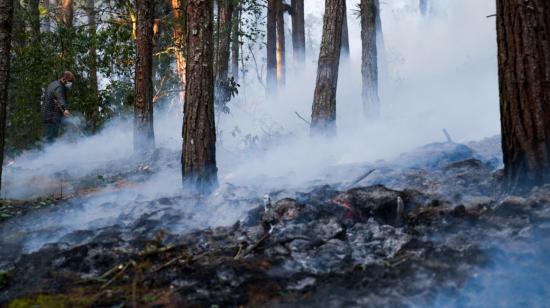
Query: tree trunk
[(32, 24), (178, 13), (369, 59), (298, 32), (33, 21), (281, 69), (423, 5), (225, 14), (323, 117), (523, 32), (46, 24), (345, 35), (144, 137), (271, 33), (6, 18), (198, 159), (68, 12), (92, 26), (235, 42)]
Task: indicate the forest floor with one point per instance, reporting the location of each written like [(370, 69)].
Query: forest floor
[(430, 228)]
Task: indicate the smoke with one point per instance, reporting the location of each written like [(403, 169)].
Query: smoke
[(440, 73)]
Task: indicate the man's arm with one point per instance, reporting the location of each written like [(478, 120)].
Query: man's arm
[(61, 98)]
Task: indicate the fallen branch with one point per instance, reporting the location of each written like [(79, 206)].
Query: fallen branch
[(179, 258), (360, 178), (155, 251), (299, 116), (449, 139), (251, 248), (119, 274)]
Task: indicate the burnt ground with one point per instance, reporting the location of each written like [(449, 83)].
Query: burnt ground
[(433, 229)]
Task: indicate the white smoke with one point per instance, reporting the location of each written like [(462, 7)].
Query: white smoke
[(441, 73)]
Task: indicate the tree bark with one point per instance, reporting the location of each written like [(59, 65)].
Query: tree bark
[(281, 59), (92, 27), (323, 117), (6, 19), (298, 32), (271, 33), (523, 32), (68, 12), (345, 35), (225, 14), (178, 13), (235, 45), (144, 137), (198, 159), (369, 59)]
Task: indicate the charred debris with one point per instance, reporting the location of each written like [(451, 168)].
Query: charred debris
[(399, 233)]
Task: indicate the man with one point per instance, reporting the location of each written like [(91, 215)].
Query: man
[(54, 105)]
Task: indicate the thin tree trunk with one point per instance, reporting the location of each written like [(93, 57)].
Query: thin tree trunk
[(271, 32), (92, 27), (6, 19), (323, 117), (46, 24), (33, 22), (198, 158), (68, 12), (144, 137), (523, 32), (178, 13), (298, 32), (369, 60), (423, 5), (345, 35), (281, 69), (225, 14), (235, 42)]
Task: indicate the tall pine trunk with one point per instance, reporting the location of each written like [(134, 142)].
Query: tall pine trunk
[(6, 19), (345, 35), (198, 158), (369, 59), (523, 31), (92, 27), (298, 32), (68, 12), (33, 29), (235, 45), (144, 137), (225, 14), (271, 33), (178, 13), (281, 59), (323, 117)]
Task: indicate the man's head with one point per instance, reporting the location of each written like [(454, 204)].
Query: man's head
[(67, 79)]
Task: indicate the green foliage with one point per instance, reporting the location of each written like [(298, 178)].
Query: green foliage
[(37, 61)]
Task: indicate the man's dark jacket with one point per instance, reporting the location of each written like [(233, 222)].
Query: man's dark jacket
[(54, 102)]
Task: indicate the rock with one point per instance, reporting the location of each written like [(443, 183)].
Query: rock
[(436, 155), (511, 206), (283, 210), (375, 201)]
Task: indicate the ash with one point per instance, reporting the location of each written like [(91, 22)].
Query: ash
[(430, 228)]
